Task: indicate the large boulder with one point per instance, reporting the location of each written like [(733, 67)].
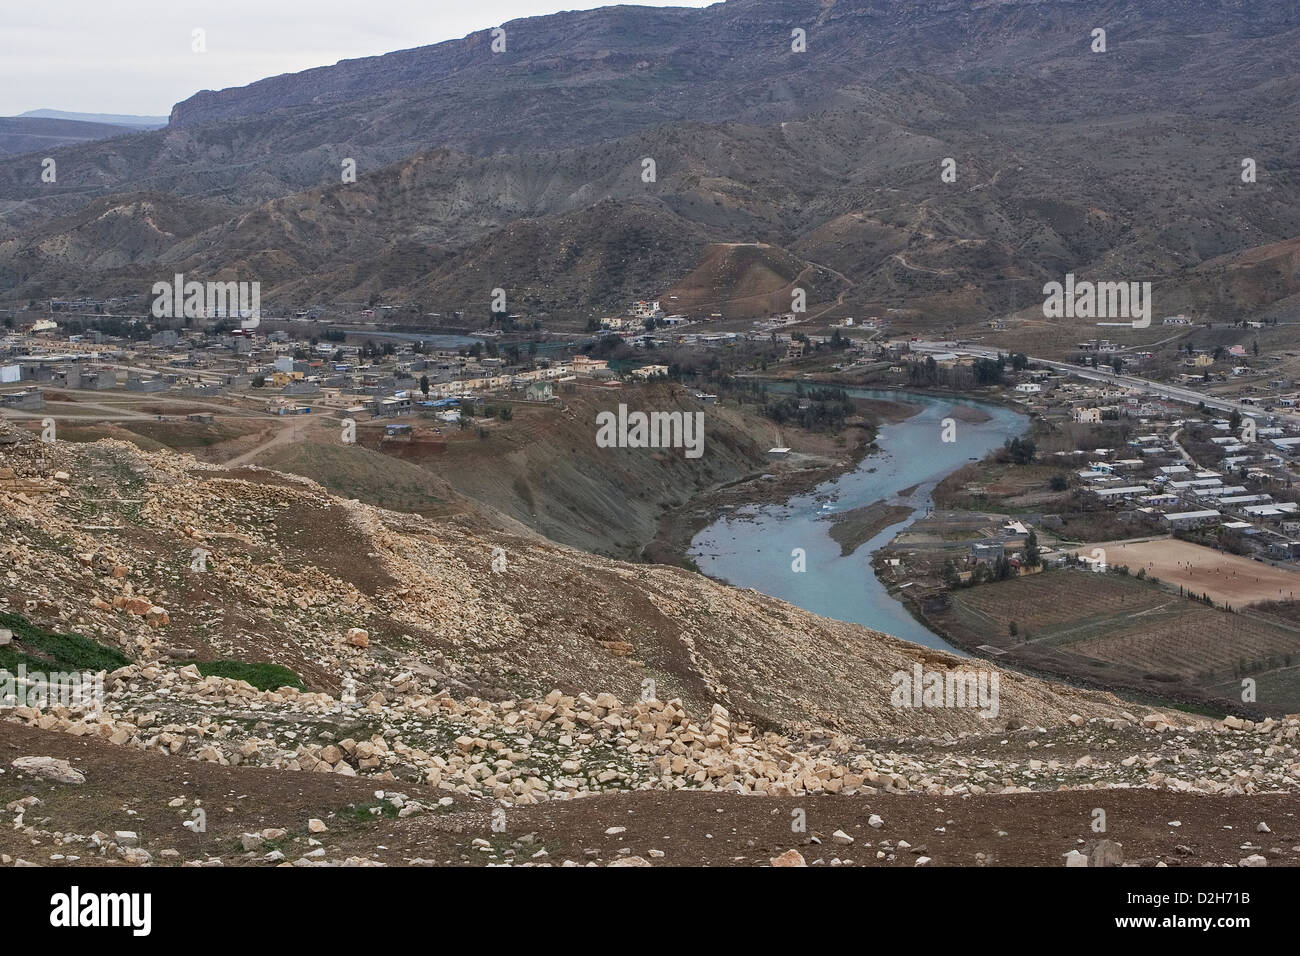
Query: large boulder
[(789, 858), (49, 768)]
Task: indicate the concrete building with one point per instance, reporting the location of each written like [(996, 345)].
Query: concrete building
[(987, 552), (28, 400), (392, 407)]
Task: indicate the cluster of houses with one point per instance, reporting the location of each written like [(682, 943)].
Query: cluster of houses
[(286, 375), (1150, 479), (643, 316)]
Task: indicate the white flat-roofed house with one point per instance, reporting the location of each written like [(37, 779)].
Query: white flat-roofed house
[(1127, 491), (1239, 500), (1190, 519), (650, 371), (1156, 501), (1221, 492), (1272, 510)]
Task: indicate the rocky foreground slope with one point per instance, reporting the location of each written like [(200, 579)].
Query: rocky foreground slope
[(453, 663)]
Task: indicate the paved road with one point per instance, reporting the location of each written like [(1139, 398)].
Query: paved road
[(1175, 392)]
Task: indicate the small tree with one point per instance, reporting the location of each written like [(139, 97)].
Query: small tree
[(1020, 450), (948, 574)]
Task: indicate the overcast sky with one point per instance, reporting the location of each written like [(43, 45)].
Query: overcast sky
[(134, 56)]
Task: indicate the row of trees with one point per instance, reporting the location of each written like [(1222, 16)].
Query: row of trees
[(984, 371), (817, 416), (819, 409)]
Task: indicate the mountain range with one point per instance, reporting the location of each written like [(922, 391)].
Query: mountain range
[(526, 169)]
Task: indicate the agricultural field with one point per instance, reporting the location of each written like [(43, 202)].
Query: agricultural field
[(1130, 625), (1282, 684), (1197, 642), (1227, 578), (1059, 607)]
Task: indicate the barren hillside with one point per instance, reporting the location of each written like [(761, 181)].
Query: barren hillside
[(444, 657)]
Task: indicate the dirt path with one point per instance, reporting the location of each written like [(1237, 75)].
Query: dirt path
[(907, 265), (286, 433)]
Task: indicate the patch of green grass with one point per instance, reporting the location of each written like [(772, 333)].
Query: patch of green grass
[(365, 812), (49, 650), (260, 675)]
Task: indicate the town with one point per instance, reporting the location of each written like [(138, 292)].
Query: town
[(1192, 458)]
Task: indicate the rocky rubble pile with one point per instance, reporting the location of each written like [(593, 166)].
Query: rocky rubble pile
[(561, 746)]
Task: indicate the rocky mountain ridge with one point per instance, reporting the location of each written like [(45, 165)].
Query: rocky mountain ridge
[(1125, 163)]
